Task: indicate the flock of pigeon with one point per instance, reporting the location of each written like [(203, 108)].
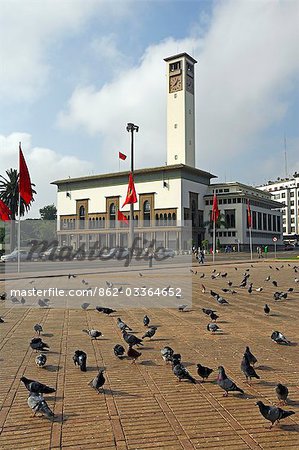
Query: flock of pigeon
[(272, 413)]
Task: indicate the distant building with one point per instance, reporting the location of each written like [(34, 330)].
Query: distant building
[(286, 191), (168, 196)]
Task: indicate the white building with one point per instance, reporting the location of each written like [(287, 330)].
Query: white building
[(168, 196), (286, 191)]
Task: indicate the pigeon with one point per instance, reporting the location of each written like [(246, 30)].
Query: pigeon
[(1, 320), (85, 306), (167, 353), (119, 351), (273, 413), (14, 300), (131, 339), (212, 327), (251, 358), (230, 283), (266, 309), (41, 360), (36, 386), (268, 278), (94, 334), (203, 372), (23, 301), (203, 289), (202, 275), (225, 383), (214, 294), (109, 284), (38, 404), (222, 301), (182, 373), (225, 290), (140, 274), (279, 338), (133, 354), (84, 282), (79, 359), (122, 325), (224, 275), (38, 328), (260, 289), (42, 303), (38, 345), (182, 308), (98, 382), (282, 393), (146, 320), (249, 288), (176, 358), (104, 310), (70, 275), (214, 316), (247, 369), (208, 312), (290, 289), (274, 283), (150, 332), (3, 296)]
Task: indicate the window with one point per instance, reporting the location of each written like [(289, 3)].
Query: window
[(274, 223), (220, 201), (81, 217), (254, 219), (225, 190), (264, 221), (283, 195), (259, 221), (233, 233), (146, 213), (292, 203), (234, 200), (269, 222), (224, 201), (229, 200), (112, 215), (278, 223), (175, 66), (230, 218), (292, 194)]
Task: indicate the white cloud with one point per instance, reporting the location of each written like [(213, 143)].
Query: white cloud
[(246, 76), (45, 165)]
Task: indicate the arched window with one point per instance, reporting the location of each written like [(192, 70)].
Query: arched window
[(112, 212), (157, 220), (146, 213), (174, 218), (165, 220), (81, 217)]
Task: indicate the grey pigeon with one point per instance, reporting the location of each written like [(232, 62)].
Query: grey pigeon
[(119, 351), (98, 382), (203, 372), (167, 353), (80, 359), (222, 301), (42, 303), (150, 332), (85, 306), (182, 308), (38, 404), (279, 338), (38, 345), (273, 413), (131, 339), (247, 369), (36, 386), (41, 360), (212, 327), (251, 358), (94, 334), (122, 325), (226, 383), (38, 328), (146, 321), (182, 373), (282, 393)]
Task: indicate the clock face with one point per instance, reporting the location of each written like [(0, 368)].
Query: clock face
[(175, 83), (190, 85)]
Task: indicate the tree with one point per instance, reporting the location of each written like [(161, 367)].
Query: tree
[(9, 194), (48, 212)]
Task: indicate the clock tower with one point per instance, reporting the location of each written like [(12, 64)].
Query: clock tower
[(180, 110)]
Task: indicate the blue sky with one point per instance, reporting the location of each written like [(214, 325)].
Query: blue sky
[(74, 73)]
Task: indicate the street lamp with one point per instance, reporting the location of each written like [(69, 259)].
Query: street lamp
[(131, 128)]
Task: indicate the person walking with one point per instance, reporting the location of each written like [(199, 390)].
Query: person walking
[(201, 257)]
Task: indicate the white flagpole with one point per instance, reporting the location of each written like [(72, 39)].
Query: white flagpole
[(214, 240), (19, 233)]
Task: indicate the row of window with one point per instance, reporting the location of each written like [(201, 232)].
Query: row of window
[(263, 221), (224, 234)]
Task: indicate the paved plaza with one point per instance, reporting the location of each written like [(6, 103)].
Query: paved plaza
[(143, 406)]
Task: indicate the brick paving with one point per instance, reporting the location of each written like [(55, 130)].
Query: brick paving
[(144, 406)]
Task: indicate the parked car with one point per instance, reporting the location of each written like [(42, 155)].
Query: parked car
[(13, 256), (288, 247), (164, 253)]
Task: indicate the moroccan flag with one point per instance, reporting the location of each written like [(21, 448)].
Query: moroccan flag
[(249, 218), (215, 210), (24, 179), (122, 156), (131, 193), (5, 212), (122, 218)]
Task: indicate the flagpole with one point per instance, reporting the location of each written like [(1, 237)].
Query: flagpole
[(131, 128), (19, 232), (214, 239), (250, 243)]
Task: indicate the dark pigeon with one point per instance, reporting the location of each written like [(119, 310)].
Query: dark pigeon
[(122, 325), (214, 316), (80, 359), (203, 372), (207, 311), (273, 413), (38, 345), (133, 354), (182, 373), (167, 353), (119, 351), (266, 309), (104, 310), (150, 332), (98, 382), (146, 321), (247, 369), (226, 384), (38, 328), (282, 393), (251, 358), (36, 386), (279, 338), (213, 327), (131, 339)]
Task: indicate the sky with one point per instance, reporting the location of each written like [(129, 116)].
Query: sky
[(74, 73)]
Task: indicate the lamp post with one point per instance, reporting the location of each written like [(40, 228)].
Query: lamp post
[(131, 128)]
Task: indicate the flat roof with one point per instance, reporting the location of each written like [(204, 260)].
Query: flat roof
[(181, 55)]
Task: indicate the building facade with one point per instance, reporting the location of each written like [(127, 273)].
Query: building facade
[(286, 191), (170, 197)]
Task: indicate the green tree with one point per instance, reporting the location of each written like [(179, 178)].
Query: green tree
[(9, 194), (48, 212)]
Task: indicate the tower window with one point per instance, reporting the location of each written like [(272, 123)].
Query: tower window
[(175, 156), (175, 95), (175, 66), (175, 125)]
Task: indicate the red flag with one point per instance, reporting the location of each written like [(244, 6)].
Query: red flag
[(25, 188), (215, 210), (249, 218), (122, 218), (5, 212), (131, 193), (122, 156)]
